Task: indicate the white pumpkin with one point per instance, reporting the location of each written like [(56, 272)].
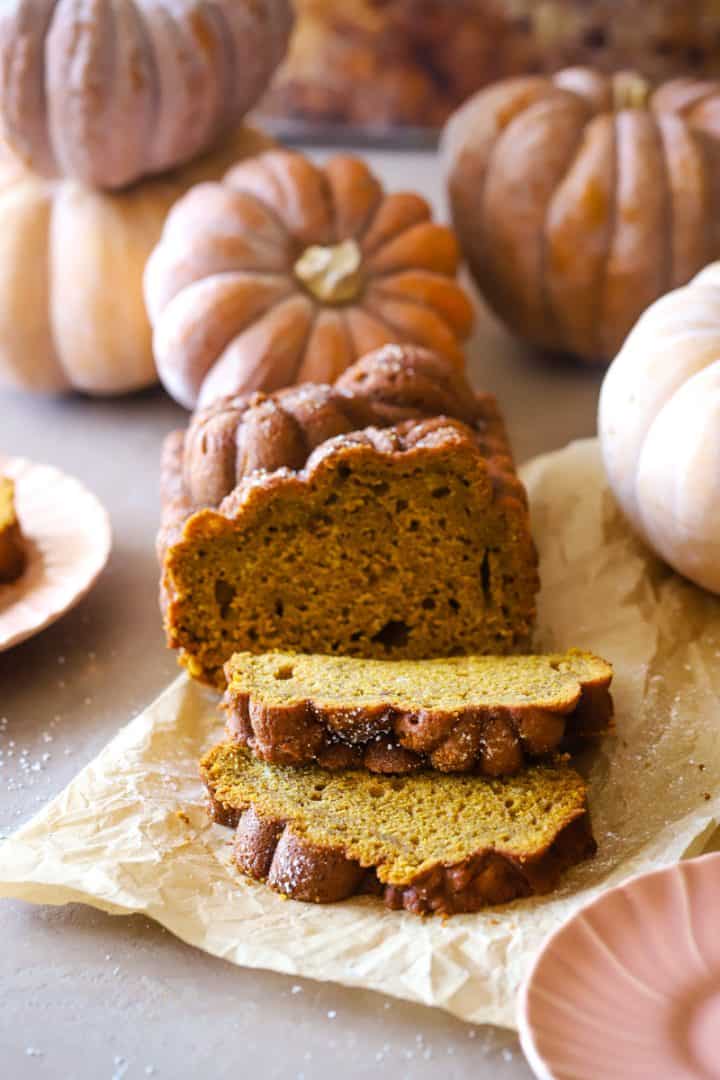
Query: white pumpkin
[(109, 91), (659, 428), (72, 314)]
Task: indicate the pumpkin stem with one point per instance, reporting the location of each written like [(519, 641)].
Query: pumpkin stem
[(630, 91), (331, 274)]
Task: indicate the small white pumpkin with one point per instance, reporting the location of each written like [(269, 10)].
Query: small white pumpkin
[(659, 427)]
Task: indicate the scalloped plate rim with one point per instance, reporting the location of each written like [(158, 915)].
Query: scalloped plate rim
[(96, 556), (541, 1067)]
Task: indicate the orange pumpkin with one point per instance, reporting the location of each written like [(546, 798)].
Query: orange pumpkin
[(579, 199), (288, 272)]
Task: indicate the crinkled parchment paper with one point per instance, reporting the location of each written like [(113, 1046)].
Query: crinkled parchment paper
[(131, 833)]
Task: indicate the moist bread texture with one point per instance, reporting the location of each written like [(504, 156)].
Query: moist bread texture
[(12, 550), (426, 843), (483, 713), (381, 517)]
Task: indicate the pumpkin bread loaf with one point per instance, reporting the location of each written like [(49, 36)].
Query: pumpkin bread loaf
[(458, 714), (427, 843), (403, 539), (12, 552)]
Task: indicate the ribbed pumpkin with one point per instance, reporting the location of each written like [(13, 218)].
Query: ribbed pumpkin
[(659, 428), (72, 314), (288, 272), (579, 199), (108, 91)]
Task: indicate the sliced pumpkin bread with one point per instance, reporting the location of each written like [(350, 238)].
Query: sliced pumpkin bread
[(381, 517), (484, 713), (428, 843), (12, 551)]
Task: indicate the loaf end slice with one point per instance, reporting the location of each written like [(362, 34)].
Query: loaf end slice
[(427, 843)]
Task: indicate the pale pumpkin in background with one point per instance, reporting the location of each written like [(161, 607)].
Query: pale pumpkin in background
[(579, 199), (659, 427), (287, 272), (72, 314), (111, 91)]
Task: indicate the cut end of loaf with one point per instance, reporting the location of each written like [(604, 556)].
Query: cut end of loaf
[(402, 543)]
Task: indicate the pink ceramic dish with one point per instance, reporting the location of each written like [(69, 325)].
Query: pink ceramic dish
[(67, 533), (630, 986)]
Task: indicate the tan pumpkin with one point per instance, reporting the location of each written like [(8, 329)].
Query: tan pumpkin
[(114, 90), (288, 272), (71, 263), (579, 199)]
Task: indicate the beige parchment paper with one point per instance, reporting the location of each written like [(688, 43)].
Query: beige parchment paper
[(131, 834)]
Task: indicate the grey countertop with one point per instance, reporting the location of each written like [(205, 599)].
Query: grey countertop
[(86, 995)]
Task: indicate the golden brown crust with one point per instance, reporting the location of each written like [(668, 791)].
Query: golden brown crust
[(491, 739), (270, 851), (238, 436), (176, 507)]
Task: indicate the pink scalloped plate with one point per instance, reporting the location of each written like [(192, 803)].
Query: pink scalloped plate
[(67, 533), (630, 986)]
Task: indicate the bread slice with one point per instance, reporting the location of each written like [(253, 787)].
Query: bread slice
[(12, 552), (457, 714), (428, 842), (359, 519)]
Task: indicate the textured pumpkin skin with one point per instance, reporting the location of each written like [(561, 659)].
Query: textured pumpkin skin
[(232, 299), (109, 91), (575, 213), (659, 428), (72, 314)]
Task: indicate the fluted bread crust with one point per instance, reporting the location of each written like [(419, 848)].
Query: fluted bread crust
[(486, 714), (438, 844), (238, 436)]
